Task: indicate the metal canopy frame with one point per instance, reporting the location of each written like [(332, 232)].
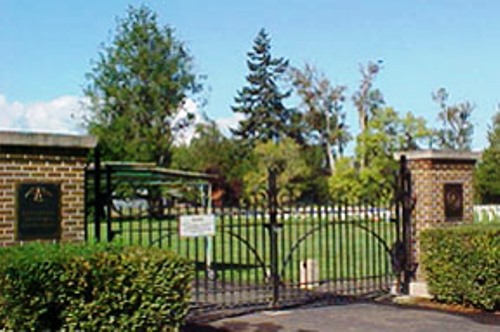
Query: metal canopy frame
[(109, 175), (151, 175)]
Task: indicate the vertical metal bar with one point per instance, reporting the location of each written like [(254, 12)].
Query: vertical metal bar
[(187, 240), (150, 220), (160, 223), (402, 224), (264, 233), (176, 238), (355, 258), (370, 220), (121, 212), (347, 248), (256, 225), (241, 269), (341, 249), (328, 248), (307, 225), (97, 193), (170, 228), (109, 203), (247, 251), (290, 240), (391, 238), (223, 253), (207, 248), (139, 225), (131, 221), (273, 228), (321, 248), (336, 232), (231, 255), (337, 227), (407, 191), (396, 218), (213, 265), (198, 265), (349, 256), (299, 248), (313, 237), (378, 262), (282, 221), (397, 203)]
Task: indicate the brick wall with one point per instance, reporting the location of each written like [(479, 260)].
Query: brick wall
[(429, 175), (47, 165), (67, 171)]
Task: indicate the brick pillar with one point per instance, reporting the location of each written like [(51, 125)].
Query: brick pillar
[(37, 170), (442, 183)]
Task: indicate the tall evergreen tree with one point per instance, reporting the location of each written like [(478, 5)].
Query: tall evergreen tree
[(261, 102)]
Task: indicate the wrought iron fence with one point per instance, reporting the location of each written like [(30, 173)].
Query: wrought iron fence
[(263, 255)]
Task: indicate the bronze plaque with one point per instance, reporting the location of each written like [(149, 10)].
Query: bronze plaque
[(38, 211), (453, 201)]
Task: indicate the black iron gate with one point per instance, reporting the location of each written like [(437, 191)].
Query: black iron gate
[(264, 254)]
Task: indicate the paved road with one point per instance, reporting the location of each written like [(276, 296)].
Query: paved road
[(353, 318)]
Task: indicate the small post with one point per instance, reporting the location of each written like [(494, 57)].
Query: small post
[(309, 273)]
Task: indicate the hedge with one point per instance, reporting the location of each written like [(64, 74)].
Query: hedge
[(92, 287), (462, 264)]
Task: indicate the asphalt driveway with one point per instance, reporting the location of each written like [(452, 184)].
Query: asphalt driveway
[(355, 317)]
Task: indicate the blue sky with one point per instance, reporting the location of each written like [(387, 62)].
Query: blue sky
[(47, 47)]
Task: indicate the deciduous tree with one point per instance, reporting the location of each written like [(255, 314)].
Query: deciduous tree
[(211, 152), (367, 99), (137, 89), (386, 133), (457, 129), (322, 106), (283, 157), (487, 175)]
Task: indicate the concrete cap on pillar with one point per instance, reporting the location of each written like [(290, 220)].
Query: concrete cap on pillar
[(13, 138), (439, 155)]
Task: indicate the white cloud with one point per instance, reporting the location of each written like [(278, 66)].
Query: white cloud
[(227, 123), (64, 115), (186, 135), (60, 115)]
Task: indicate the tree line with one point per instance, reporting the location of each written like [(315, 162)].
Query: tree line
[(293, 120)]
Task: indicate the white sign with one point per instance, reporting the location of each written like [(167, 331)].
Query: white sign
[(197, 225)]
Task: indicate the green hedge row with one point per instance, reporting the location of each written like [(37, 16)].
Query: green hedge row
[(462, 264), (92, 288)]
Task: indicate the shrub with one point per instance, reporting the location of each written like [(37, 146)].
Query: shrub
[(98, 287), (462, 264)]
